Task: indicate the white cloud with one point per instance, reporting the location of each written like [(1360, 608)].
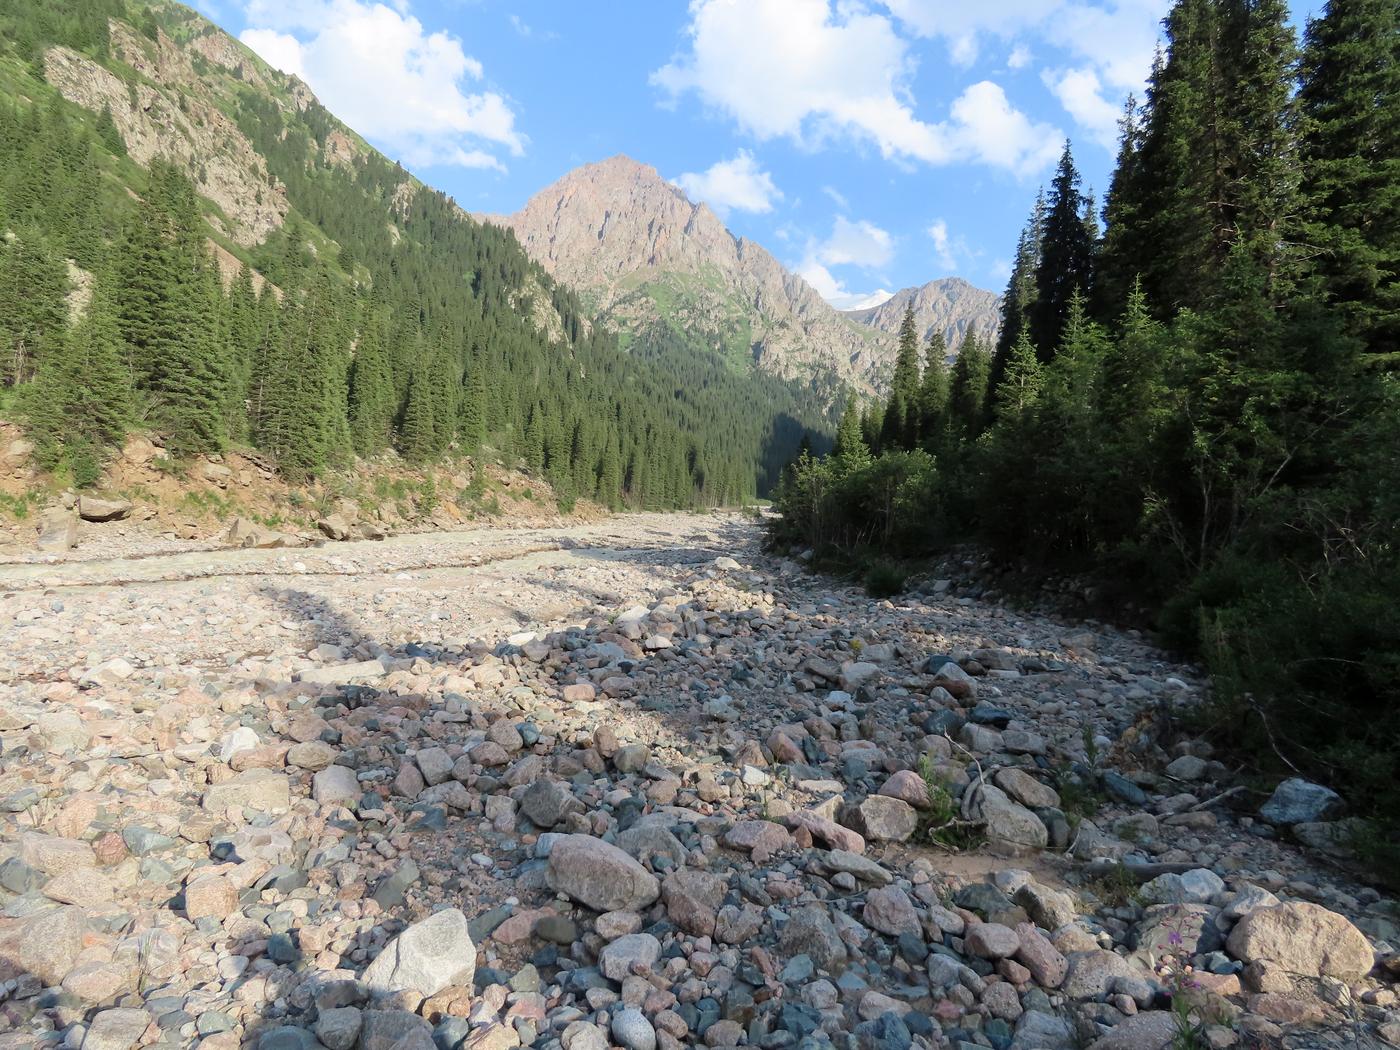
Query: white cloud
[(737, 184), (997, 133), (875, 298), (835, 292), (1112, 40), (859, 243), (280, 50), (799, 69), (379, 70), (942, 247), (1081, 93), (837, 196)]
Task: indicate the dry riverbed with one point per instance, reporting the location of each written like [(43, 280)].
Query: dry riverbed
[(630, 783)]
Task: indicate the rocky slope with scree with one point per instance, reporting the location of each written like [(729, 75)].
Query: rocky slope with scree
[(638, 786)]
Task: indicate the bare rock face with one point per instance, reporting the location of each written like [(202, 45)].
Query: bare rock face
[(614, 228), (177, 121)]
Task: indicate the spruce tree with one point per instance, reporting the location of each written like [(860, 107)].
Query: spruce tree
[(900, 427), (1121, 250), (473, 418), (1020, 296), (933, 393), (1350, 103), (1020, 386), (33, 287), (79, 404), (1066, 259), (1259, 115), (107, 133), (417, 437), (967, 393), (850, 449)]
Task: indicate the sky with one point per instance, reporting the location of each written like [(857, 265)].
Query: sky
[(870, 145)]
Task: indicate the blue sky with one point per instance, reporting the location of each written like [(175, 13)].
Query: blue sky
[(869, 144)]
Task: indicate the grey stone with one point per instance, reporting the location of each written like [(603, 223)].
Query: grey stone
[(1036, 1030), (809, 932), (116, 1030), (1197, 886), (426, 957), (633, 1031), (1009, 825), (616, 960), (1298, 801), (90, 508), (883, 819), (335, 786), (547, 802), (599, 875), (339, 1029)]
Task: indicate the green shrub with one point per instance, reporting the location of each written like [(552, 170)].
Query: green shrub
[(884, 580)]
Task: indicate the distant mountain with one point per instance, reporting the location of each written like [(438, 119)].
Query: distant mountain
[(949, 304), (658, 266), (360, 312)]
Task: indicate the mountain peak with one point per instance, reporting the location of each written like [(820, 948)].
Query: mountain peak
[(950, 305), (657, 265), (645, 255)]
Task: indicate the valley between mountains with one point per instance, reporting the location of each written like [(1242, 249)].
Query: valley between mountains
[(631, 783)]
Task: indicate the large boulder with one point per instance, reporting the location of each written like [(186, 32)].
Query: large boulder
[(1197, 886), (1298, 801), (334, 527), (1090, 973), (810, 932), (599, 875), (426, 958), (243, 532), (1153, 1030), (58, 531), (1302, 938), (693, 900), (90, 508), (257, 789), (881, 818), (1010, 826)]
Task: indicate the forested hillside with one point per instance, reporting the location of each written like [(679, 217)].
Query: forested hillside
[(1199, 403), (194, 246)]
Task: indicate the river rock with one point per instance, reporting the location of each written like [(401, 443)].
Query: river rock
[(599, 875), (1298, 801), (426, 957), (1302, 938)]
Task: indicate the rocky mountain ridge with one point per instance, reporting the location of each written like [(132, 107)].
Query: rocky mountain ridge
[(636, 247), (950, 305)]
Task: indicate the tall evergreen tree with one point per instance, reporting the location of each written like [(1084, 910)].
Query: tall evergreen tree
[(900, 427), (1350, 102), (967, 393), (1261, 139), (1066, 259), (850, 449), (33, 286), (80, 401), (933, 393), (1020, 296), (1121, 253)]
